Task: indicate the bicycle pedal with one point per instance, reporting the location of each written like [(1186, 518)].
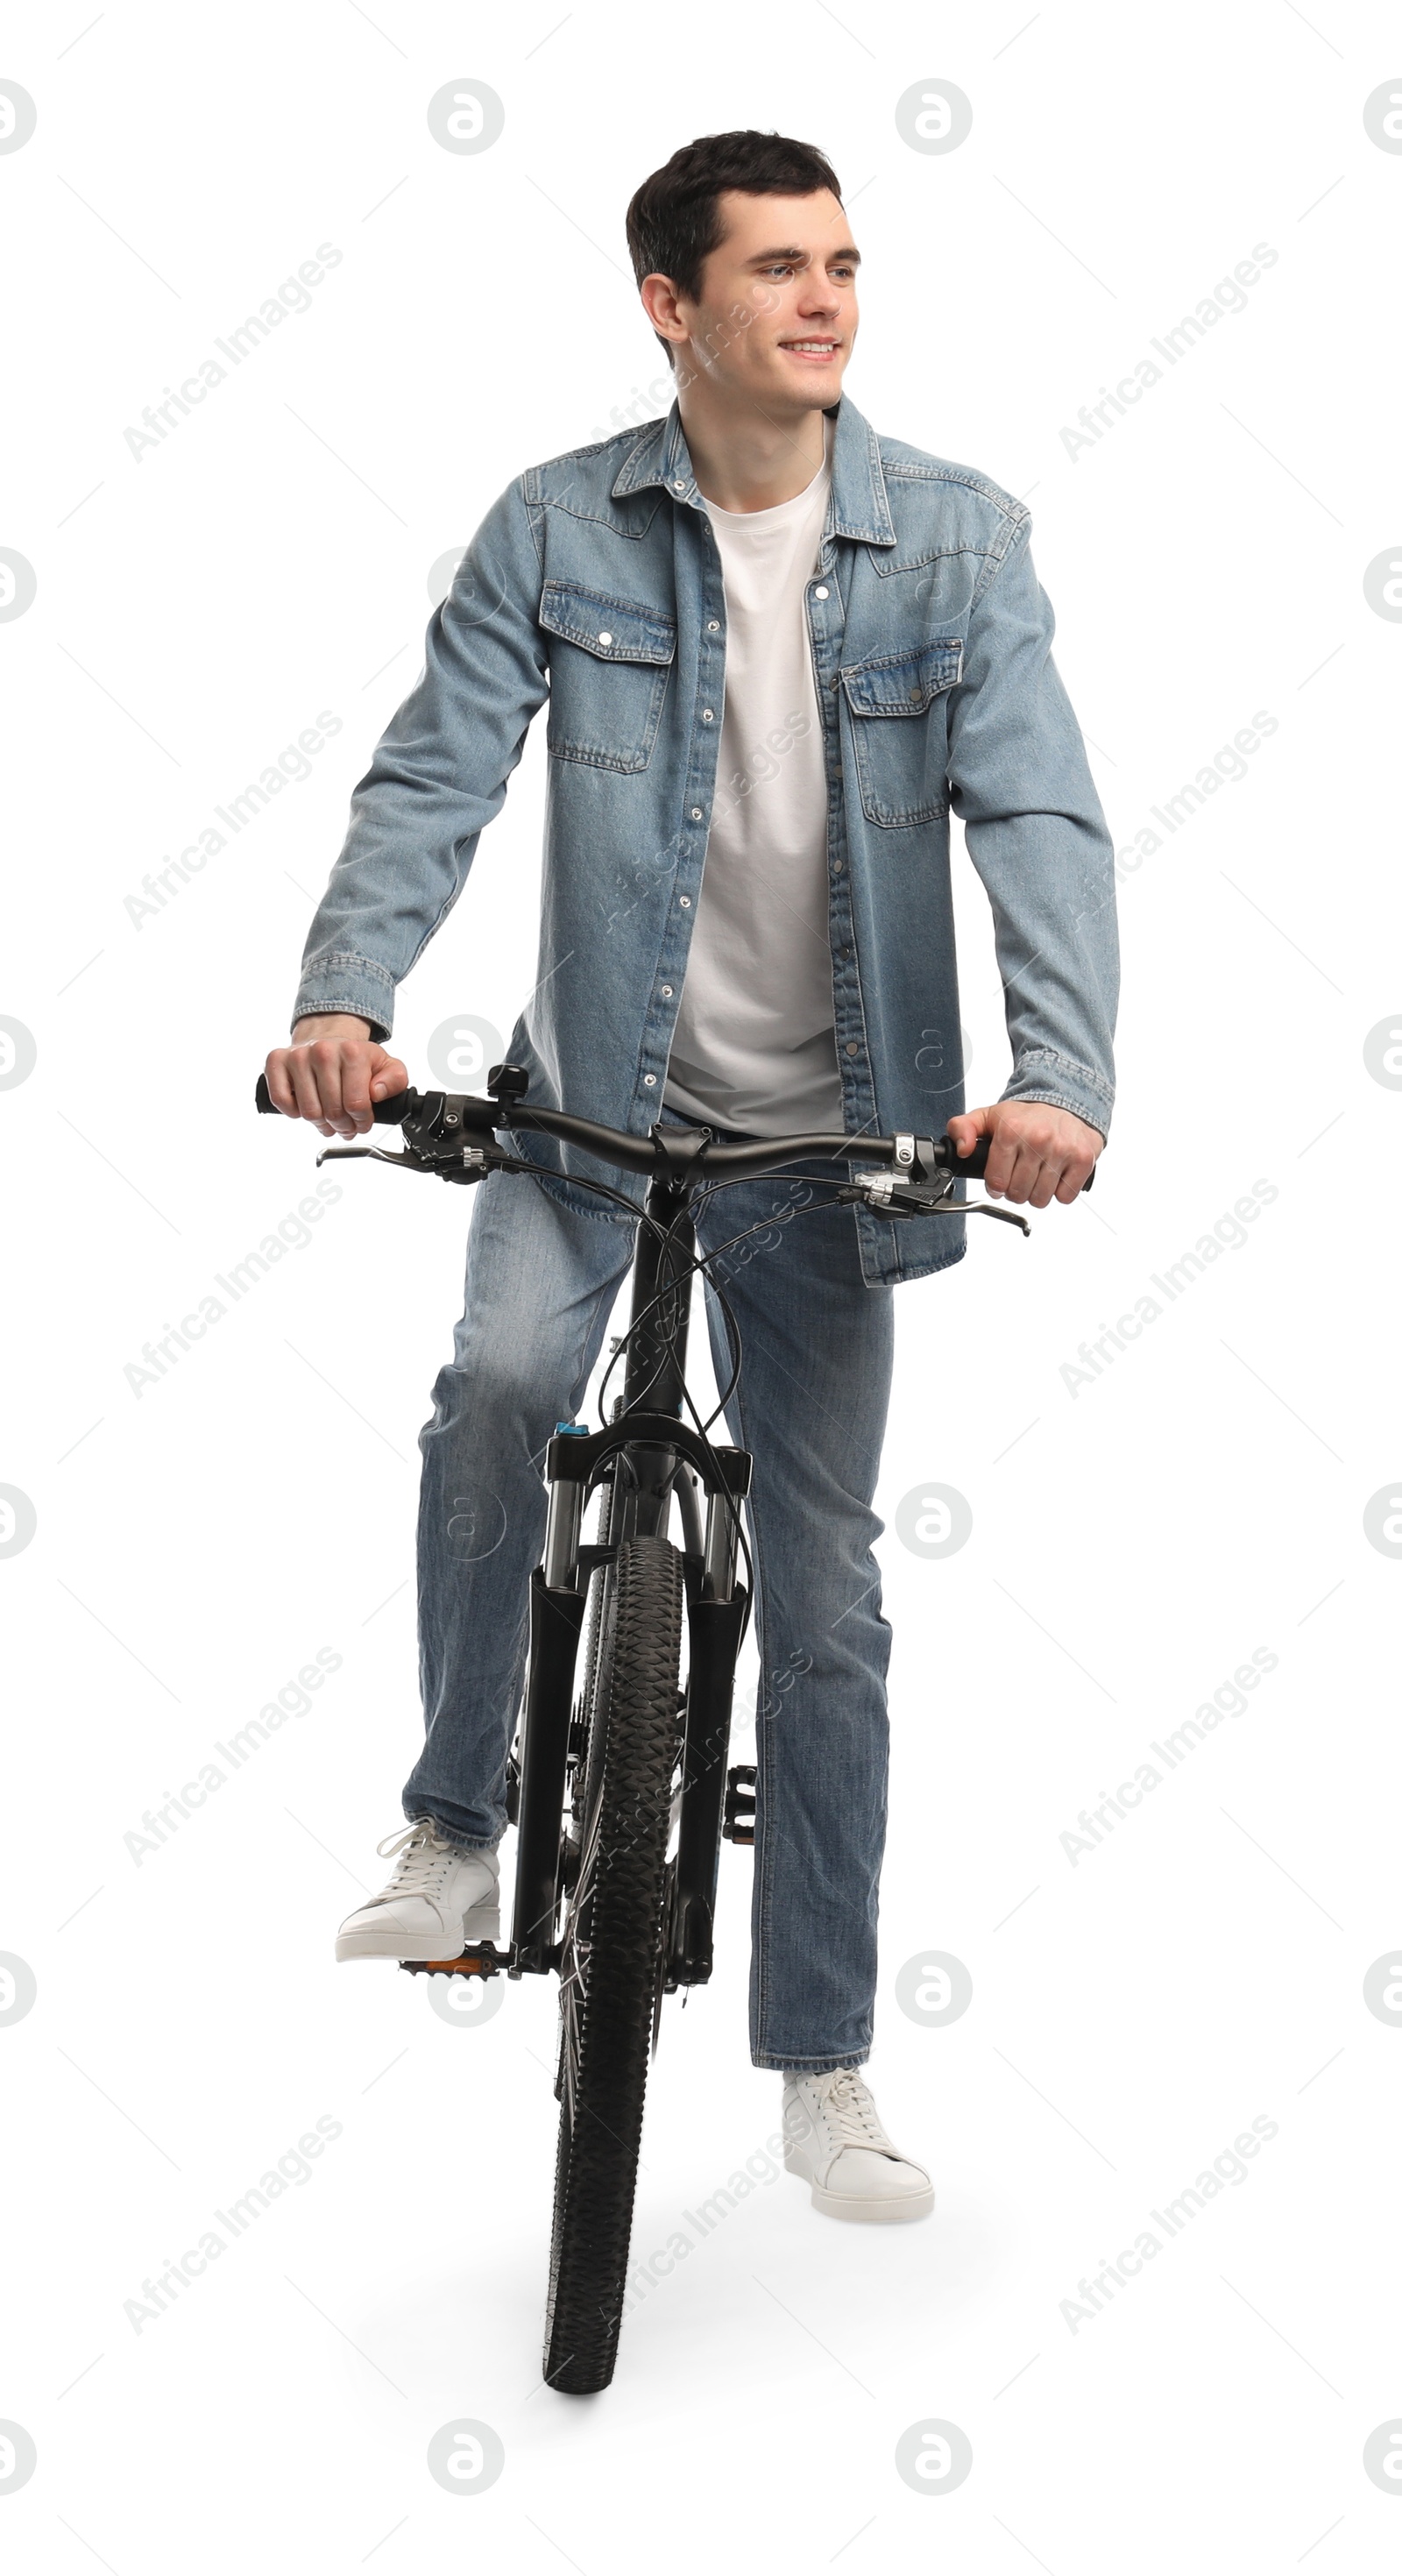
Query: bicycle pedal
[(483, 1960), (738, 1825)]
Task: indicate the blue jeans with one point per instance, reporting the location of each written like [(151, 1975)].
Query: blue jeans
[(544, 1266)]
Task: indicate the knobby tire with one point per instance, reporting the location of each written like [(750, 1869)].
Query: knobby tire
[(612, 1958)]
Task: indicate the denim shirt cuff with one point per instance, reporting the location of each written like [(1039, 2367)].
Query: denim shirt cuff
[(342, 980), (1041, 1073)]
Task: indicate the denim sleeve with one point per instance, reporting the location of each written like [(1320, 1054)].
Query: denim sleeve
[(1035, 831), (438, 774)]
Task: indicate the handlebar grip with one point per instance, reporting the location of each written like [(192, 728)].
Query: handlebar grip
[(973, 1167), (386, 1113), (967, 1167)]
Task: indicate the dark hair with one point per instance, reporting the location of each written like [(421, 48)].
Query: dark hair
[(674, 222)]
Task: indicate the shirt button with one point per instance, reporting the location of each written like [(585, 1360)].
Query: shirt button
[(713, 626), (837, 867), (852, 1047), (680, 484), (822, 591), (696, 813), (649, 1079), (708, 715), (686, 903), (666, 992), (605, 638)]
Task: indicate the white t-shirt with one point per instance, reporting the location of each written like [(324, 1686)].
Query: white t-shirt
[(754, 1046)]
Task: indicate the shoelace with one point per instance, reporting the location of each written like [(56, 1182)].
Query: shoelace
[(424, 1858), (851, 2113)]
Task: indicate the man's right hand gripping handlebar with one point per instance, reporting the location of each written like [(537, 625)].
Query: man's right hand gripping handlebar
[(334, 1074)]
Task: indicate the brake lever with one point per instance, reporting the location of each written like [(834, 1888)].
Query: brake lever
[(985, 1207), (888, 1196), (370, 1154), (465, 1164)]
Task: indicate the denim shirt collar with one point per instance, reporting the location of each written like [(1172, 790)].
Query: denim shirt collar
[(858, 507)]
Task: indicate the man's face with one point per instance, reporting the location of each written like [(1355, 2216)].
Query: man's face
[(777, 313)]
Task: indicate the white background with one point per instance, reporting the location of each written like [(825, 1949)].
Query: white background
[(1132, 1543)]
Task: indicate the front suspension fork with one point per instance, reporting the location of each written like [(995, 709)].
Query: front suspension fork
[(555, 1621), (715, 1617)]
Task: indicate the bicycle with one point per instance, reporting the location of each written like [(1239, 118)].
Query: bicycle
[(621, 1796)]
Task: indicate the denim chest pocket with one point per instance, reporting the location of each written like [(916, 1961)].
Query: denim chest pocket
[(610, 660), (898, 704)]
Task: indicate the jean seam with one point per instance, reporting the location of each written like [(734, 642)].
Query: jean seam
[(818, 2066), (459, 1842), (763, 1859), (1063, 1100)]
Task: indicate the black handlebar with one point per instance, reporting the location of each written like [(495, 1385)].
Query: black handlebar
[(637, 1153), (452, 1117)]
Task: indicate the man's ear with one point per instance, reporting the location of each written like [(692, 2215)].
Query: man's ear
[(659, 302)]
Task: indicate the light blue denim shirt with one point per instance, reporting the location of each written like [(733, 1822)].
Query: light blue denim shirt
[(595, 581)]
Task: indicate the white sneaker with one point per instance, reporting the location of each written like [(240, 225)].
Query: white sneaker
[(440, 1899), (834, 2139)]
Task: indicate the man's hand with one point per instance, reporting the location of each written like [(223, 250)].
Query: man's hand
[(1037, 1153), (331, 1073)]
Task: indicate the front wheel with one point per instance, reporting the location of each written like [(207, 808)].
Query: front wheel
[(611, 1958)]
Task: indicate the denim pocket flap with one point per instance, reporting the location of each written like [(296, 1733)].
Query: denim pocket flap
[(614, 630), (904, 684)]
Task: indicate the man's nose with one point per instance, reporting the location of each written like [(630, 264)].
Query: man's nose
[(819, 299)]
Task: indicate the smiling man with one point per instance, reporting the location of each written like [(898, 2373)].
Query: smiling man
[(778, 649)]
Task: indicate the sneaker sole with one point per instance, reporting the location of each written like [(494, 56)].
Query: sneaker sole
[(480, 1923), (842, 2204), (836, 2204)]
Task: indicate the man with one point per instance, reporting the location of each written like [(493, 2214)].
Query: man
[(777, 650)]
